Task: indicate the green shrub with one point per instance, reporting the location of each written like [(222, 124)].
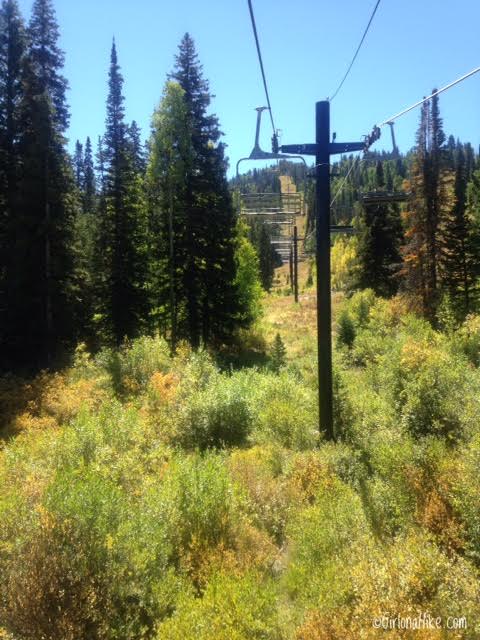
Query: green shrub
[(217, 415), (268, 497), (322, 539), (359, 307), (467, 339), (345, 330), (206, 507), (436, 392), (286, 412), (94, 564), (132, 366), (466, 496), (233, 607)]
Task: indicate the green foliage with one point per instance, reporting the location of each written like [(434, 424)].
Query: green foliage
[(285, 412), (323, 538), (132, 366), (345, 330), (206, 509), (467, 339), (218, 414), (247, 278), (121, 521), (232, 608), (123, 224), (278, 354)]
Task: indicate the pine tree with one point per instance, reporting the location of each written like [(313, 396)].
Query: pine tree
[(86, 266), (123, 232), (48, 59), (169, 165), (278, 356), (12, 54), (430, 186), (266, 255), (459, 258), (78, 163), (40, 314), (137, 150), (380, 240), (89, 179), (209, 276)]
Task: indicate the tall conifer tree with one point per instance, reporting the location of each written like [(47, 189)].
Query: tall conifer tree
[(12, 59), (40, 314), (169, 165), (209, 275), (78, 166), (89, 179), (380, 240), (122, 237), (460, 245), (431, 189)]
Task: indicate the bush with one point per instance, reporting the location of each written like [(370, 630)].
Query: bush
[(467, 339), (268, 496), (93, 565), (323, 537), (217, 415), (436, 392), (345, 330), (405, 578), (285, 412), (131, 367), (233, 607)]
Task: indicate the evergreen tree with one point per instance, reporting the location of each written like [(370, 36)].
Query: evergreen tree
[(459, 248), (40, 314), (380, 240), (430, 186), (12, 54), (209, 276), (89, 179), (48, 59), (78, 163), (278, 356), (86, 265), (137, 150), (123, 231), (169, 166)]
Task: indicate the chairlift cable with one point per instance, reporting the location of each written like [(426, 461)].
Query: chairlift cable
[(435, 93), (260, 60), (356, 52), (340, 188)]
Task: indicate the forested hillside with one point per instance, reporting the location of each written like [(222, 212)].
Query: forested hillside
[(162, 471), (107, 245)]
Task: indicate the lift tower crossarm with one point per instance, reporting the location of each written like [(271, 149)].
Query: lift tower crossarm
[(334, 148)]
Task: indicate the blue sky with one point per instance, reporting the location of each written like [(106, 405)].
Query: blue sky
[(307, 45)]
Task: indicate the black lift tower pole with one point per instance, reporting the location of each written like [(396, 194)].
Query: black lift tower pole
[(322, 150), (324, 304)]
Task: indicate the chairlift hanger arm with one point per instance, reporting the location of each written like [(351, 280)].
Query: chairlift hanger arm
[(258, 153)]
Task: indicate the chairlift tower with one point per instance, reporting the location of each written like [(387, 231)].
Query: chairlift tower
[(322, 149)]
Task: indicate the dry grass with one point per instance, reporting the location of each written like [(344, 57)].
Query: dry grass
[(295, 322)]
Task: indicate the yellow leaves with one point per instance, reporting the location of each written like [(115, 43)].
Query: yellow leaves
[(49, 401), (164, 386), (109, 542), (46, 519), (343, 261)]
